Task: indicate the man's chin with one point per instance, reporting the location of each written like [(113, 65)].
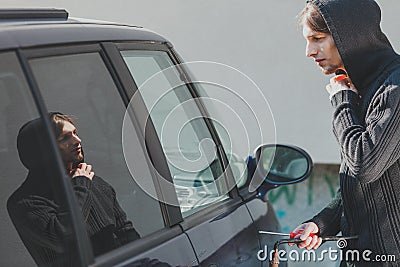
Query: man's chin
[(331, 69), (327, 71), (78, 159)]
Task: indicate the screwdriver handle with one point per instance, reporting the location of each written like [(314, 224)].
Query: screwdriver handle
[(293, 234), (340, 77)]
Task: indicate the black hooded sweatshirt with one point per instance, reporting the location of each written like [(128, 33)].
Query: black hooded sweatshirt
[(367, 127), (41, 219)]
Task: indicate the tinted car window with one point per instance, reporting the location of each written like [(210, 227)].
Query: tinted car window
[(27, 231), (230, 132), (187, 143), (80, 85)]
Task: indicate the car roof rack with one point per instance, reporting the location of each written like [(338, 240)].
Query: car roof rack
[(33, 13)]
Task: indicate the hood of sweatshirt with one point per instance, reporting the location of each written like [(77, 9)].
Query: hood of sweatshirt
[(355, 28), (34, 147), (35, 153)]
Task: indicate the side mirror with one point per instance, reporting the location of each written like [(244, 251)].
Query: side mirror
[(283, 164)]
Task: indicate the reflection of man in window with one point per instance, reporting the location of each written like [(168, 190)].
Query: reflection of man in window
[(41, 220)]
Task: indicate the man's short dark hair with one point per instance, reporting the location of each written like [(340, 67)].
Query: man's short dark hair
[(311, 16)]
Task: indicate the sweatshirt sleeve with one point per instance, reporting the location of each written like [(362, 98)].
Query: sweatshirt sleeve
[(41, 221), (82, 188), (368, 149), (328, 220), (124, 227)]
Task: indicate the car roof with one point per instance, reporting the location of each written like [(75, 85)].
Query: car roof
[(39, 27)]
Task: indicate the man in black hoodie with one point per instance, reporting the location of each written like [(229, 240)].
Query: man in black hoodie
[(40, 219), (344, 37)]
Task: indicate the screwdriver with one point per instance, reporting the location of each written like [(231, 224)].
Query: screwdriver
[(291, 235), (340, 75)]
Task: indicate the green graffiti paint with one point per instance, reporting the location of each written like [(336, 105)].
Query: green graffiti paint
[(288, 191), (310, 190), (329, 181), (313, 184)]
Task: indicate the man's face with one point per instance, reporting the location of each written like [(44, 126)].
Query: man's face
[(321, 47), (70, 144)]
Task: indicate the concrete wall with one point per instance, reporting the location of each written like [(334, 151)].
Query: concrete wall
[(258, 37)]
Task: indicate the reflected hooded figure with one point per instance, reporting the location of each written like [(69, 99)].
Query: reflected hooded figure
[(41, 219)]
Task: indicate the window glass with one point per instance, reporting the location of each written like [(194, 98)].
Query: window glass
[(232, 144), (34, 223), (187, 143), (118, 210), (240, 112)]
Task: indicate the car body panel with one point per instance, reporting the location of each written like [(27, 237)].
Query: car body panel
[(175, 251), (228, 239), (29, 35)]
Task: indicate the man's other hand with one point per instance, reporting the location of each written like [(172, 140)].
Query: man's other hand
[(83, 170), (339, 83)]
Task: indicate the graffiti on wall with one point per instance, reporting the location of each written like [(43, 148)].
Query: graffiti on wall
[(289, 192), (299, 202)]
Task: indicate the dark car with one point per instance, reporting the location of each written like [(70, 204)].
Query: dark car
[(204, 216)]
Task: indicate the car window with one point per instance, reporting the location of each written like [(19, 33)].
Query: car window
[(231, 144), (187, 143), (80, 86), (28, 230)]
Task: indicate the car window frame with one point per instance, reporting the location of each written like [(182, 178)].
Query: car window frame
[(168, 48), (233, 194), (146, 131)]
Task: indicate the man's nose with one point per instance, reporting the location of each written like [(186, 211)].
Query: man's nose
[(311, 50), (76, 139)]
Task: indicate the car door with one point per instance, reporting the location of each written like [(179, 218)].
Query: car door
[(80, 81), (215, 218)]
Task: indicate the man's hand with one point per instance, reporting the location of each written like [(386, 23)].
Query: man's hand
[(304, 231), (338, 83), (83, 170)]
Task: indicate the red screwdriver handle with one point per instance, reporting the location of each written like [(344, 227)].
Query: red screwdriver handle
[(340, 77), (293, 234)]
